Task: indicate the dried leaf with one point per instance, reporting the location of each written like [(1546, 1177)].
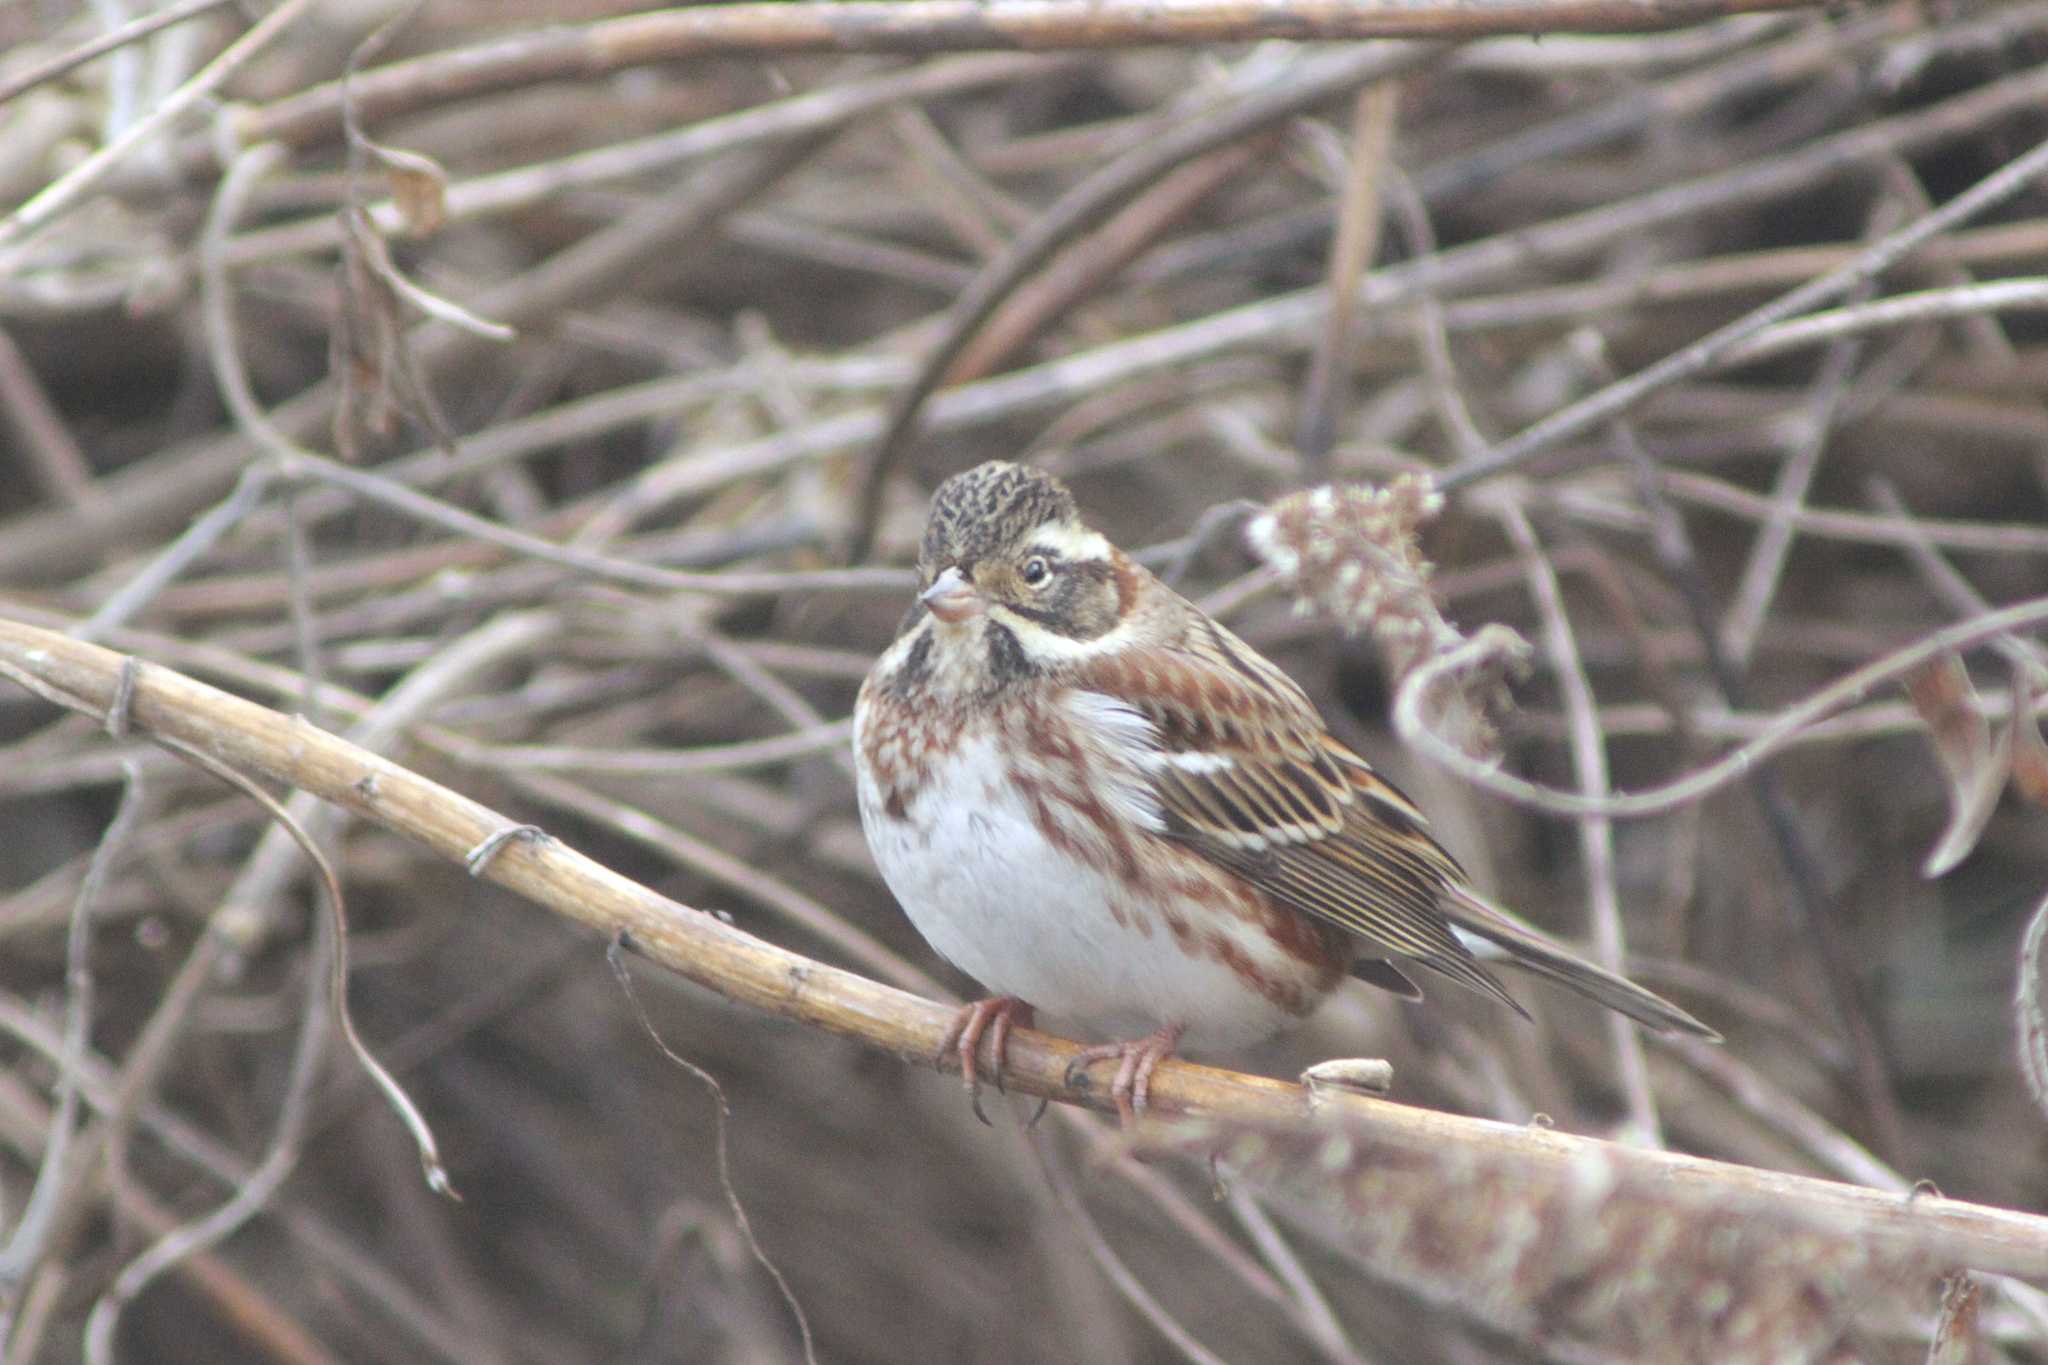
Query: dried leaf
[(1976, 768), (369, 352), (2029, 750), (419, 188), (1941, 692), (1956, 1339)]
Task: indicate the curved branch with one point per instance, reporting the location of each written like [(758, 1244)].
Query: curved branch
[(920, 27), (1091, 200), (166, 704), (1413, 724)]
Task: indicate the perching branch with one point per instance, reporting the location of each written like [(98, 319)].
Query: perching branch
[(1880, 1228)]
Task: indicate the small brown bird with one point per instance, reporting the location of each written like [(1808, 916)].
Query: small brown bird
[(1096, 801)]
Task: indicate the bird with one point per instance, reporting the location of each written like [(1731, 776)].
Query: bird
[(1097, 801)]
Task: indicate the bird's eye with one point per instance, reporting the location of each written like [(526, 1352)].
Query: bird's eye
[(1036, 571)]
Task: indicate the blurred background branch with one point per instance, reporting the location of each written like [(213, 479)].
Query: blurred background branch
[(519, 433)]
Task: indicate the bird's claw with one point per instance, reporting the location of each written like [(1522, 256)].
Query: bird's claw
[(994, 1017)]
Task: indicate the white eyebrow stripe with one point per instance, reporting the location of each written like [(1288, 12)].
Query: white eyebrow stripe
[(1069, 542)]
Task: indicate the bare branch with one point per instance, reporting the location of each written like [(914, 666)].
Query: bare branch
[(747, 970)]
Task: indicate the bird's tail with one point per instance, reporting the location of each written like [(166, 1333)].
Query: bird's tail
[(1492, 932)]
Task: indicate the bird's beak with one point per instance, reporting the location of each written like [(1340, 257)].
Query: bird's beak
[(952, 598)]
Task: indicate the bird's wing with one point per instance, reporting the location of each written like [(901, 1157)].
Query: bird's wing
[(1245, 773)]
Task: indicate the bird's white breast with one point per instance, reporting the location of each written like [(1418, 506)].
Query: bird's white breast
[(967, 859)]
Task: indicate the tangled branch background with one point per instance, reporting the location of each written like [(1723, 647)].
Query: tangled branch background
[(550, 407)]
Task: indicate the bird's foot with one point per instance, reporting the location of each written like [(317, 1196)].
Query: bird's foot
[(1136, 1060)]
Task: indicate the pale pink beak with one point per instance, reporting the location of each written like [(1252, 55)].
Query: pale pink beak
[(952, 598)]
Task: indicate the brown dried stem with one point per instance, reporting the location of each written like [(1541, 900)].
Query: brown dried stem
[(932, 26), (752, 972)]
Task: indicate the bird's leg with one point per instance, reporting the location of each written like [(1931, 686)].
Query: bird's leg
[(1136, 1061), (963, 1040)]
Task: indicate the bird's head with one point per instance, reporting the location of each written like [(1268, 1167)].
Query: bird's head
[(1008, 562)]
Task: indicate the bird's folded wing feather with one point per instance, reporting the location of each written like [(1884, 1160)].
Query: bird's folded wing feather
[(1245, 773)]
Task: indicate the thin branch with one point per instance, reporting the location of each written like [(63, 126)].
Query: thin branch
[(1596, 833), (29, 1239), (1741, 338), (1112, 1265), (335, 1254), (162, 492), (749, 971), (583, 53), (205, 1232), (1312, 1310), (810, 113), (1088, 203), (1809, 897), (1778, 734), (748, 753), (617, 961), (52, 453), (1359, 214), (1829, 523), (134, 31), (1949, 584), (63, 193), (1773, 544)]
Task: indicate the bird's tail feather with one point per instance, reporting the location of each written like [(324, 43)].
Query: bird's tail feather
[(1517, 944)]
